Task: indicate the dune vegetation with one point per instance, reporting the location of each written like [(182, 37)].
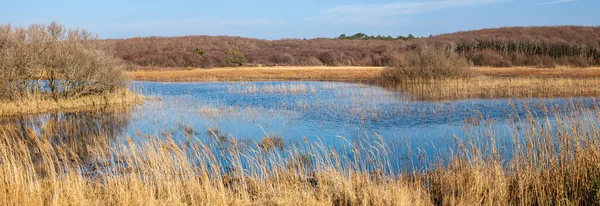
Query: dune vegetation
[(575, 46), (48, 67)]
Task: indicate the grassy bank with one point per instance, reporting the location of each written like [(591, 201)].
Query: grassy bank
[(259, 74), (556, 72), (488, 82), (518, 82), (441, 74), (40, 104), (338, 73), (503, 87), (557, 166)]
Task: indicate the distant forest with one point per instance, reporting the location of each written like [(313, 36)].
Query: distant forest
[(577, 46), (362, 36)]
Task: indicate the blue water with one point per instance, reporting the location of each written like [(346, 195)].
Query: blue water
[(334, 114)]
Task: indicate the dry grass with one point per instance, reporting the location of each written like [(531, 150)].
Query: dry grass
[(34, 105), (558, 166), (503, 87), (277, 88), (318, 73), (270, 142), (154, 171), (516, 82), (490, 83), (427, 64), (561, 71)]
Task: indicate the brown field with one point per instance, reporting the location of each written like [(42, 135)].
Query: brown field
[(540, 72), (317, 73), (490, 82), (322, 73)]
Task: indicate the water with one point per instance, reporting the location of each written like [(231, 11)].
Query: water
[(334, 114)]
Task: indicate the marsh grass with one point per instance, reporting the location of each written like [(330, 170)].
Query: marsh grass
[(440, 74), (553, 160), (428, 64), (502, 87), (276, 88), (308, 73), (249, 114), (41, 104), (270, 142)]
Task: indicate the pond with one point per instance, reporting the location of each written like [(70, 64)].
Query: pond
[(335, 115)]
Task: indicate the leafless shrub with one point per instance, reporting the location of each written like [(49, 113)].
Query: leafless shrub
[(521, 46), (488, 58), (52, 61), (282, 59)]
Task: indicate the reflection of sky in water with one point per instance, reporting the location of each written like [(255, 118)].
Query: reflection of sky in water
[(329, 111), (336, 115), (324, 112)]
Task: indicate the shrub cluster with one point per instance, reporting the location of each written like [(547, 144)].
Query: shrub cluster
[(520, 46), (180, 51), (529, 46), (52, 61), (235, 57), (362, 36), (428, 64)]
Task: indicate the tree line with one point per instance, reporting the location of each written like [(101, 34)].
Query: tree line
[(515, 46), (362, 36)]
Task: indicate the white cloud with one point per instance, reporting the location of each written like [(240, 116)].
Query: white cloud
[(381, 13), (557, 2)]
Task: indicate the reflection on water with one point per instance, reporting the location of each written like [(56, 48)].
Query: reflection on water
[(282, 115), (75, 130)]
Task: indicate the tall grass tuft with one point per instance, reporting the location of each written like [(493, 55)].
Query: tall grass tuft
[(426, 65)]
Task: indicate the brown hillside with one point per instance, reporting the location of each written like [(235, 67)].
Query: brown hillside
[(515, 46)]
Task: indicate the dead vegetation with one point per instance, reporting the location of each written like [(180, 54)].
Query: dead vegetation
[(518, 46), (259, 74), (45, 63), (426, 65), (441, 74)]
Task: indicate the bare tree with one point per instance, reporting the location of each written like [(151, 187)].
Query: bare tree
[(51, 61)]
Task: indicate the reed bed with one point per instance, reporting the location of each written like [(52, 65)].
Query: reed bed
[(502, 87), (441, 74), (551, 160), (34, 104), (240, 113), (279, 88)]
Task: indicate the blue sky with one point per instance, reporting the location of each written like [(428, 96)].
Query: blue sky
[(277, 19)]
